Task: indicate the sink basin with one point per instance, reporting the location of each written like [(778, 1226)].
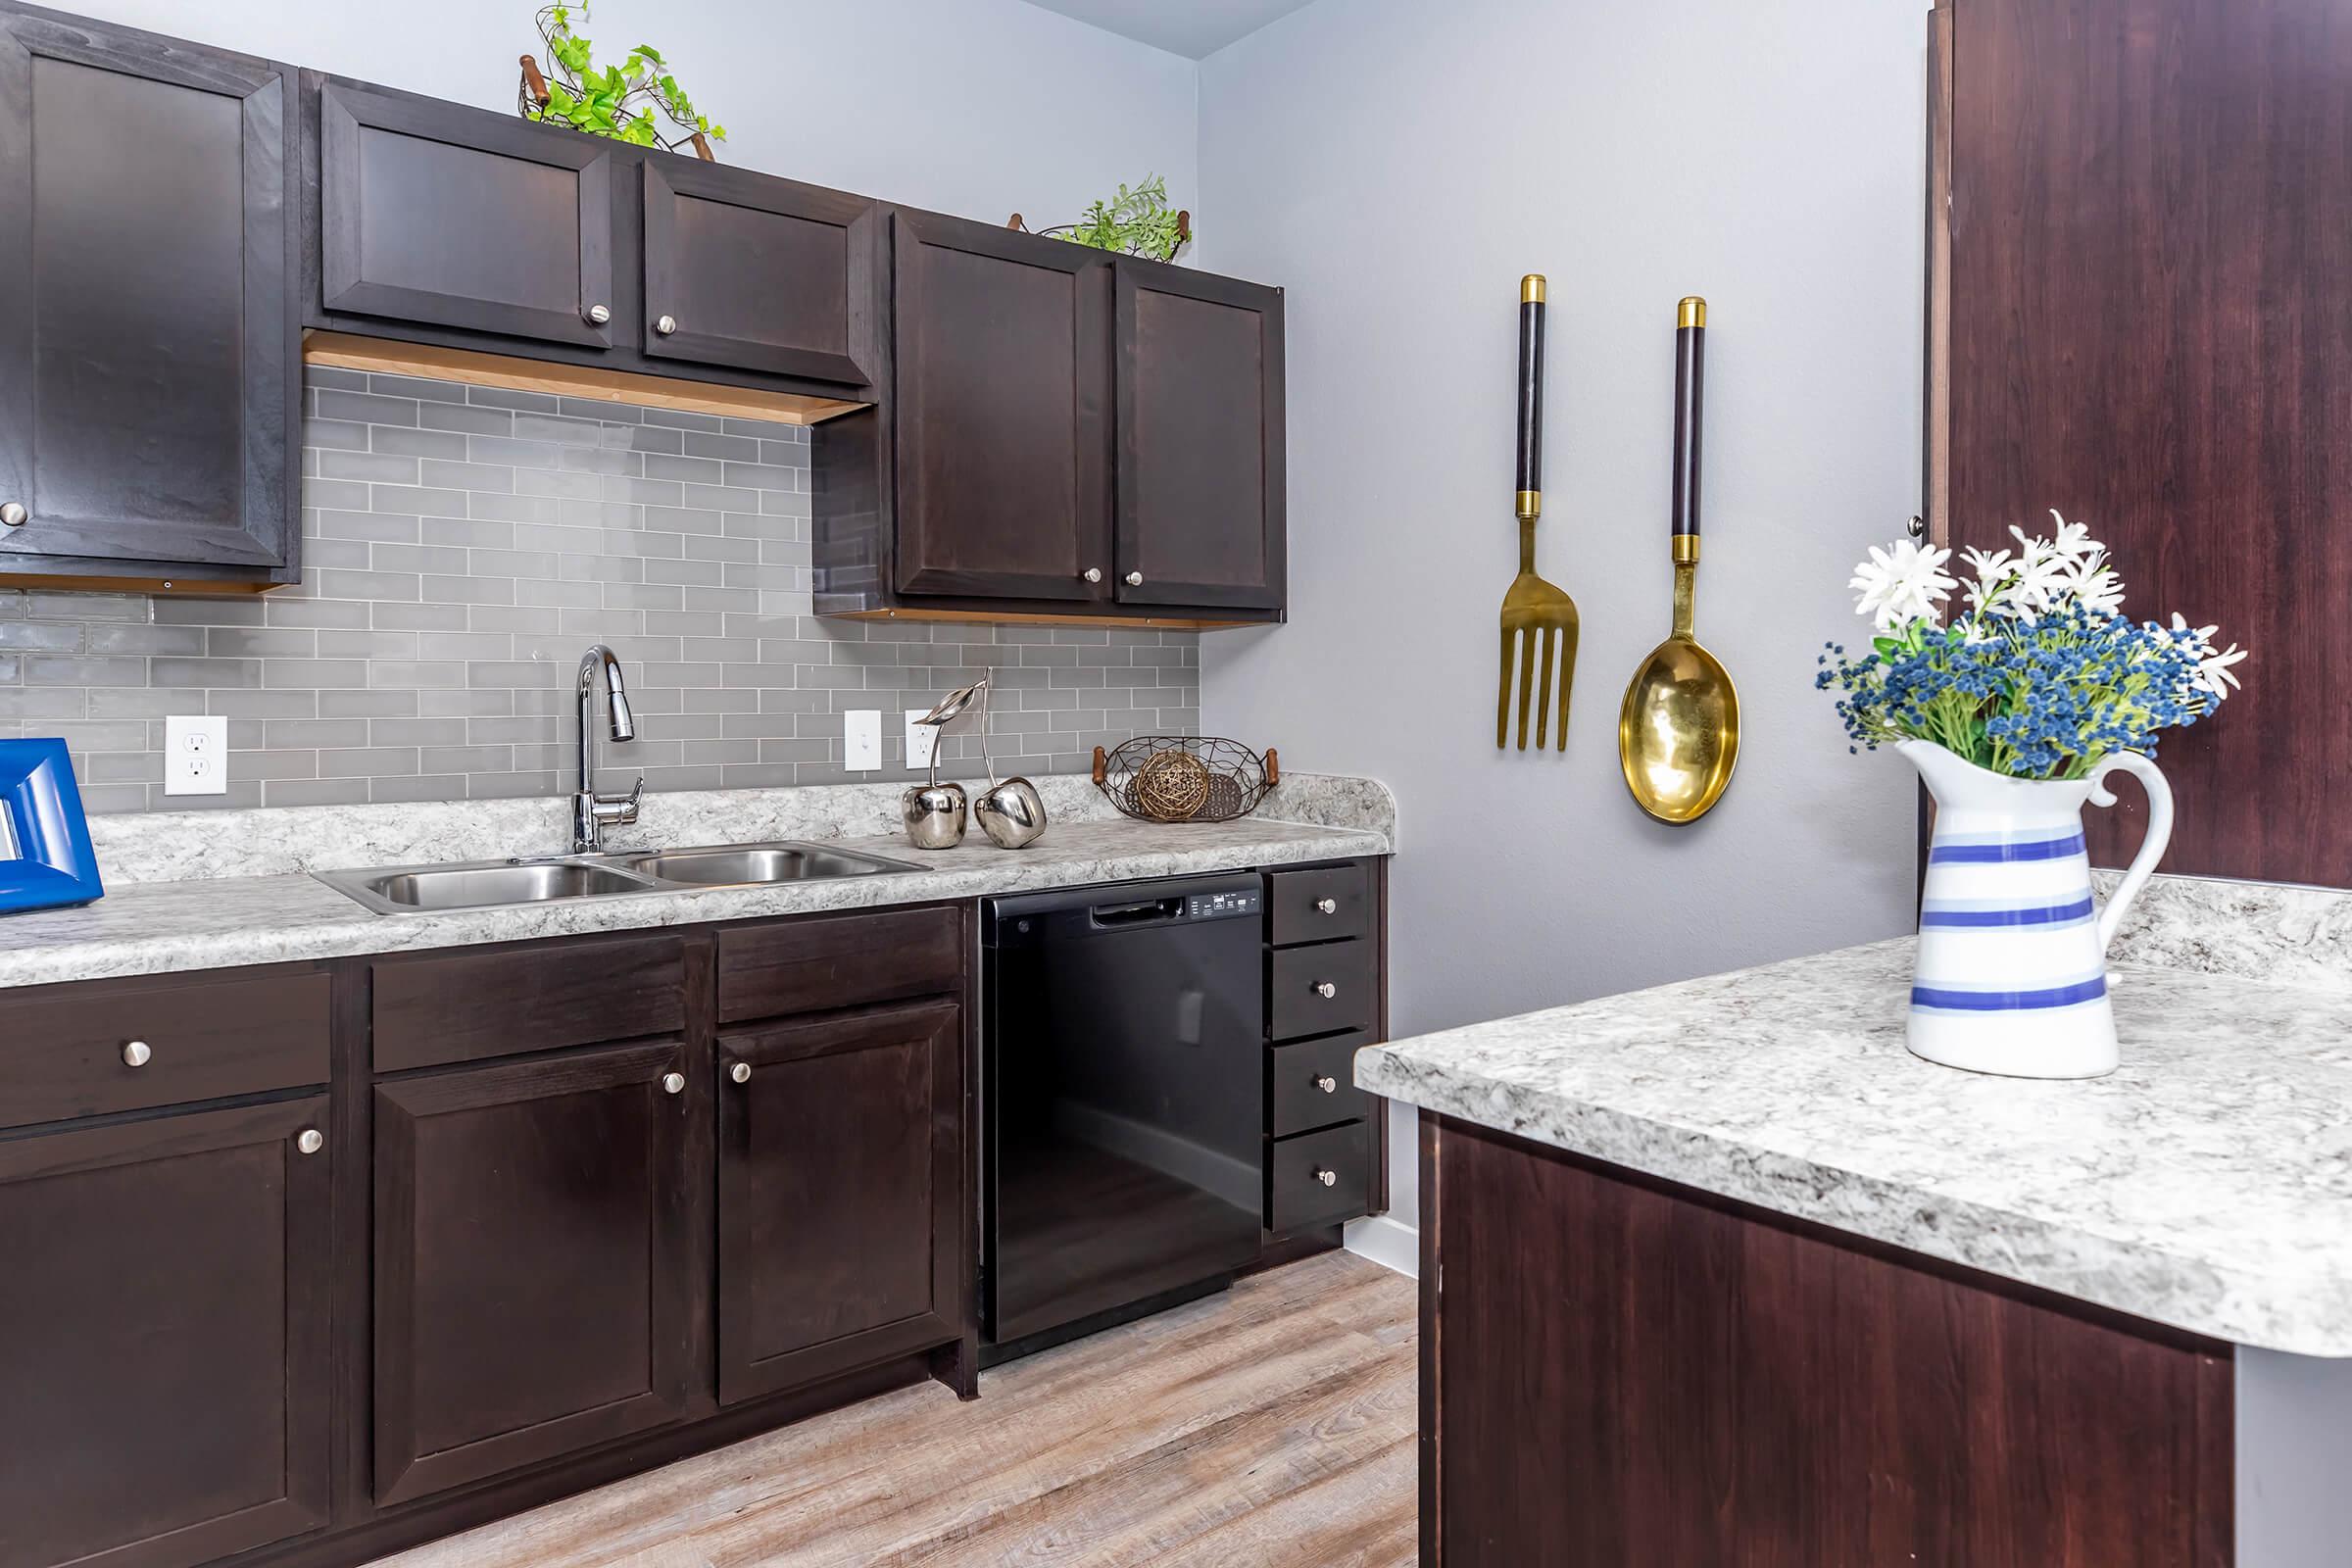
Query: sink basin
[(755, 865), (484, 885), (491, 884)]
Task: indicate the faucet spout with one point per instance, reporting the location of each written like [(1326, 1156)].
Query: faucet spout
[(591, 812)]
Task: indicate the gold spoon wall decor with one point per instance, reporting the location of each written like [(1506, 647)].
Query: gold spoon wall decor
[(1677, 733)]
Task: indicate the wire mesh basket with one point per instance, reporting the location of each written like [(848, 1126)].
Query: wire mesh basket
[(1185, 778)]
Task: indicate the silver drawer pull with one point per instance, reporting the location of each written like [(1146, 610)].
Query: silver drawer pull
[(13, 513), (598, 314), (310, 1140), (1327, 906), (1329, 1178), (741, 1072), (1326, 990), (673, 1083), (1328, 1084), (666, 324), (138, 1054)]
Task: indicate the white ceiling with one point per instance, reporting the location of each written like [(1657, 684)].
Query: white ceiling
[(1192, 28)]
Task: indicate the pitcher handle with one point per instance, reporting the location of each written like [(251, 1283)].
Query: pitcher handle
[(2151, 847)]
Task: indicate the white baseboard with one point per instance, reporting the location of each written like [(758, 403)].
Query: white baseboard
[(1387, 1243)]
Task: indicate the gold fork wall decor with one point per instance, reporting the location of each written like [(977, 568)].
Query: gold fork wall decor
[(1539, 621)]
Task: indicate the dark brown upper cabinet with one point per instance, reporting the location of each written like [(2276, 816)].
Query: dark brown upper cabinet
[(1200, 510), (535, 1276), (165, 1337), (1001, 414), (761, 273), (149, 353), (434, 213), (1069, 436), (840, 1192)]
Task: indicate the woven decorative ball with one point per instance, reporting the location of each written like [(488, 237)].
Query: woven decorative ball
[(1171, 786)]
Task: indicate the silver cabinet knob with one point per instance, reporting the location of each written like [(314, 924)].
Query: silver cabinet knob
[(1327, 906), (598, 314), (1135, 579), (136, 1054), (1094, 574), (741, 1072), (666, 324), (1326, 990), (1329, 1178), (310, 1140), (673, 1083), (1328, 1084), (14, 513)]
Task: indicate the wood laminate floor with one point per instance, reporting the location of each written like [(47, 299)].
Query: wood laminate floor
[(1269, 1427)]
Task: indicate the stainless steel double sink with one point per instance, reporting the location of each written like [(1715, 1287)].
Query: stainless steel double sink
[(492, 884)]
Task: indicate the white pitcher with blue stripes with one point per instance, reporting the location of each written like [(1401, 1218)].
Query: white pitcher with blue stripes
[(2012, 973)]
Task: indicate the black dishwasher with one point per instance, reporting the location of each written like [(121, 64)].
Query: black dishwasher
[(1123, 1075)]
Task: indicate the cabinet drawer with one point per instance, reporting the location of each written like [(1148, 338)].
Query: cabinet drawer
[(1317, 1178), (63, 1052), (1295, 1075), (846, 960), (1297, 976), (468, 1006), (1296, 900)]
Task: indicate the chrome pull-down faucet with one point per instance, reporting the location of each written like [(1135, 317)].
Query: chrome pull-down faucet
[(591, 812)]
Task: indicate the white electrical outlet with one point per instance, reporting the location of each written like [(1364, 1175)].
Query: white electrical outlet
[(921, 738), (862, 739), (195, 754)]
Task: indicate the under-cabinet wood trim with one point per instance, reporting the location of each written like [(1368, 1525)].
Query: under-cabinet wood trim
[(348, 351), (1101, 620)]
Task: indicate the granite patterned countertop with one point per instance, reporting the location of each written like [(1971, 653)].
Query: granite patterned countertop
[(205, 920), (2207, 1184)]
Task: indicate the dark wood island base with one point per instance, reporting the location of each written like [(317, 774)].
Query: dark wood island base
[(1619, 1371)]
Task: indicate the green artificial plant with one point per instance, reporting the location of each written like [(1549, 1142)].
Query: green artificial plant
[(615, 101), (1134, 223)]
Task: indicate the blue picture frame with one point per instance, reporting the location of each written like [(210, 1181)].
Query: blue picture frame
[(46, 861)]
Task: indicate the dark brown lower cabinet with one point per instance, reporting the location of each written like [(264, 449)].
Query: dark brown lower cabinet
[(1615, 1371), (840, 1192), (164, 1338), (535, 1284)]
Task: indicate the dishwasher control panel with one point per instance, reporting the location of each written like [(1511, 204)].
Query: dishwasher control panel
[(1213, 906)]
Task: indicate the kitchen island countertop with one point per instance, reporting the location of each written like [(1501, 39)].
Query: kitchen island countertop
[(2206, 1185)]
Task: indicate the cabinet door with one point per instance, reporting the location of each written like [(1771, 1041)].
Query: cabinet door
[(1200, 439), (435, 213), (1004, 382), (148, 355), (534, 1276), (164, 1334), (841, 1193), (757, 273)]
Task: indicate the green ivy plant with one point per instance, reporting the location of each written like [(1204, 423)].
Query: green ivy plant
[(1134, 223), (615, 101)]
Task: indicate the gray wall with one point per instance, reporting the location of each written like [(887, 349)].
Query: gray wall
[(1397, 165), (977, 107), (462, 546)]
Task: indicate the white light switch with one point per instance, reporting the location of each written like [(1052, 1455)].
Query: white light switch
[(920, 738), (862, 739), (195, 754)]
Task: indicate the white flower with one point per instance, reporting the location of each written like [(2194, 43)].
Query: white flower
[(2041, 574), (2091, 581), (2074, 541), (2213, 672), (1991, 566), (2203, 634), (1901, 583)]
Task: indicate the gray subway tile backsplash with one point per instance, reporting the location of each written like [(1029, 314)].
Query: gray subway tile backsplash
[(462, 548)]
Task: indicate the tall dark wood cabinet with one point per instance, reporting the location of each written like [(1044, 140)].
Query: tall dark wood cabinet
[(1002, 415), (435, 213), (534, 1273), (148, 356), (839, 1192), (2147, 279), (165, 1331), (1200, 478)]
